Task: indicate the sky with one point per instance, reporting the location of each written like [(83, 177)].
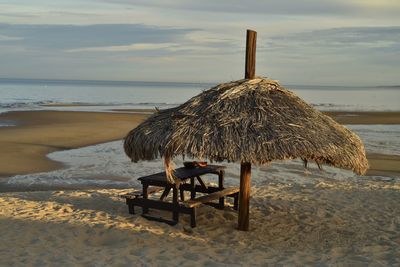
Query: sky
[(310, 42)]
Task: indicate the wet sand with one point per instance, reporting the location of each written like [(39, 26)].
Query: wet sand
[(386, 165), (365, 117), (24, 147)]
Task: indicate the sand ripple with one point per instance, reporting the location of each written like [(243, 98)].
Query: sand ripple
[(333, 223)]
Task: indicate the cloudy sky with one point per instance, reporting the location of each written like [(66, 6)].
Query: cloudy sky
[(318, 42)]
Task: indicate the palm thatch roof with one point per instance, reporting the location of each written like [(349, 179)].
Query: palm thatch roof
[(255, 121)]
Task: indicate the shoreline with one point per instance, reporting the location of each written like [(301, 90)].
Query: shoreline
[(365, 117), (37, 133), (342, 117)]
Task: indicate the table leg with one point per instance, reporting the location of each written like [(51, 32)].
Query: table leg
[(182, 193), (202, 183), (221, 187), (236, 202), (175, 213), (165, 193), (131, 207), (193, 217), (192, 189), (145, 196)]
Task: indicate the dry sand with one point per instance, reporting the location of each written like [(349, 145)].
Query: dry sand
[(24, 147), (324, 223)]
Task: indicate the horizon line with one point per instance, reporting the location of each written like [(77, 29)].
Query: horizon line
[(126, 82)]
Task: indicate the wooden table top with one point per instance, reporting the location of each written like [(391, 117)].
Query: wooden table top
[(182, 173)]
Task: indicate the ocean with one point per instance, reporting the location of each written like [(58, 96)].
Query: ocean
[(105, 165), (18, 94)]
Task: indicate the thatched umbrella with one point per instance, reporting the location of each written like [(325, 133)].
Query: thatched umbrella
[(250, 121)]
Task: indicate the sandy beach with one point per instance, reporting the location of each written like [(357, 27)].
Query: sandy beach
[(199, 133), (325, 223), (322, 222)]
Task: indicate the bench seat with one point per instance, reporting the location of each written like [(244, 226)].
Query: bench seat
[(150, 191), (192, 203)]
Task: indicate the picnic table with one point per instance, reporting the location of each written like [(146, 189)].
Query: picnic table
[(158, 182)]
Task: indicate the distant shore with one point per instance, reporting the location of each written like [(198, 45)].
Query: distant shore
[(365, 117), (25, 146), (343, 117)]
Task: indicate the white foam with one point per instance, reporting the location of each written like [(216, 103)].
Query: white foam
[(2, 124), (384, 139)]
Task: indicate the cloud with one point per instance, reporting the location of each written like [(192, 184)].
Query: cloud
[(69, 37), (115, 38), (273, 7), (341, 56), (189, 40), (191, 43), (124, 48), (339, 38)]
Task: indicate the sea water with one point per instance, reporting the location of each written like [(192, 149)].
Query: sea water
[(107, 95)]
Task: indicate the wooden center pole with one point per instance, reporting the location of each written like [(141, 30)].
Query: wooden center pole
[(244, 196), (251, 40), (245, 167)]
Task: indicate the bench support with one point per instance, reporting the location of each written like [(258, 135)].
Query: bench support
[(175, 213), (145, 187), (221, 187), (186, 207)]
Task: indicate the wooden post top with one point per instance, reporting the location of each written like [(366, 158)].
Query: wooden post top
[(251, 40)]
